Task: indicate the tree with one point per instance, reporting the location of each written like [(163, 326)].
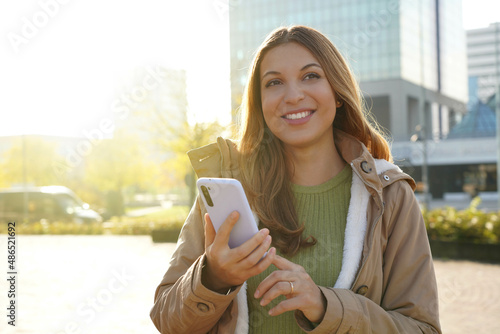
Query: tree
[(160, 115), (187, 138), (118, 165), (30, 160)]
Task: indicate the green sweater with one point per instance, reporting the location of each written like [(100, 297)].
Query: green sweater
[(323, 209)]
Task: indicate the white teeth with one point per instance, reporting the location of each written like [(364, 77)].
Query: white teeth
[(298, 115)]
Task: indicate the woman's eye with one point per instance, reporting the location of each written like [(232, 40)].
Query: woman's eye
[(273, 83), (311, 76)]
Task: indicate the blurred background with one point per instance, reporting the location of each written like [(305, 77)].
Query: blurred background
[(100, 101)]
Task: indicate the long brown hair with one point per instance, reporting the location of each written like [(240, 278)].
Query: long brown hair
[(264, 171)]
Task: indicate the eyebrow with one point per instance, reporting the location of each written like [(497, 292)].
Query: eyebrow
[(302, 69)]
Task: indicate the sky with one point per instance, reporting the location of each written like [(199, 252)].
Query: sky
[(65, 63)]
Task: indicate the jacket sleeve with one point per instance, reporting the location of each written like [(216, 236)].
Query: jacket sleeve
[(182, 304), (409, 300)]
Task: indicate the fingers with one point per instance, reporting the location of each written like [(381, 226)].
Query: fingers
[(209, 231), (283, 264), (262, 262), (286, 268), (225, 229), (299, 289), (234, 266), (284, 306), (258, 246), (221, 238), (277, 289), (253, 249), (313, 307)]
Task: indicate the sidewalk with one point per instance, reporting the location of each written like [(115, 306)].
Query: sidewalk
[(469, 296), (106, 284)]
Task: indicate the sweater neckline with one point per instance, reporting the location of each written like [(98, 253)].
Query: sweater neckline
[(335, 181)]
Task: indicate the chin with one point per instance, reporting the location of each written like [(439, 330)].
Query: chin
[(298, 142)]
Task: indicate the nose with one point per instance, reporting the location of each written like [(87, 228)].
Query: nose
[(293, 94)]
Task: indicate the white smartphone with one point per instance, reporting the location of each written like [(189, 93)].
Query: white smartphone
[(222, 196)]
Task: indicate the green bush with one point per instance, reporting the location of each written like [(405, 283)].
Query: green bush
[(44, 227), (168, 219), (471, 224)]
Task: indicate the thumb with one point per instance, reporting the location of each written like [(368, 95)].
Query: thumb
[(209, 231)]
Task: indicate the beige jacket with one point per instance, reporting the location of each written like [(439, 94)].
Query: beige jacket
[(386, 284)]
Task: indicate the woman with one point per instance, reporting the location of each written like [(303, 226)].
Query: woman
[(339, 222)]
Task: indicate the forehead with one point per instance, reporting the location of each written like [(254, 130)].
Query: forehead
[(287, 56)]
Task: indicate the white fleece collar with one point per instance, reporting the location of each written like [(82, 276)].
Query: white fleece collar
[(355, 232)]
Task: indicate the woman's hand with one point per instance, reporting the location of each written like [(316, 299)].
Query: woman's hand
[(293, 282), (226, 267)]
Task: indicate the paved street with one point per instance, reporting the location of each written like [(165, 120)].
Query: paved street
[(469, 296), (105, 284)]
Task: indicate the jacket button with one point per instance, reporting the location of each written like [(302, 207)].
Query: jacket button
[(362, 290), (386, 177), (202, 307), (366, 167)]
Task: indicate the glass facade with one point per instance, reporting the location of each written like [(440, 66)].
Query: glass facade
[(453, 50), (419, 60)]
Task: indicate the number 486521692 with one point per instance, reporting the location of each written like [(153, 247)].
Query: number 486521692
[(11, 245)]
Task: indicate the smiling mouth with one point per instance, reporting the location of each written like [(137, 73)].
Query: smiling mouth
[(299, 115)]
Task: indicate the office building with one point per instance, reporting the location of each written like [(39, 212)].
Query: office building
[(483, 60), (465, 164)]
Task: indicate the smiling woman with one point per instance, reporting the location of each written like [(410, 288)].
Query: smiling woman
[(298, 103), (338, 220)]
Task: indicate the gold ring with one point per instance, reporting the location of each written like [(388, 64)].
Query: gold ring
[(291, 287)]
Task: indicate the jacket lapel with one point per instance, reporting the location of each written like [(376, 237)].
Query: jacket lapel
[(354, 233), (356, 226)]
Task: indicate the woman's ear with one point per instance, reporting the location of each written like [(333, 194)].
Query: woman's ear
[(339, 103)]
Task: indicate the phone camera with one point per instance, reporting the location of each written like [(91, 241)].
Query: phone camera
[(206, 194)]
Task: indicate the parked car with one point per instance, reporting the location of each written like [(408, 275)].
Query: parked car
[(53, 203)]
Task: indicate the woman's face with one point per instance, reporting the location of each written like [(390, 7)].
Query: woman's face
[(297, 100)]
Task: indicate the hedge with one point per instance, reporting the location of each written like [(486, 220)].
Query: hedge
[(469, 225)]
